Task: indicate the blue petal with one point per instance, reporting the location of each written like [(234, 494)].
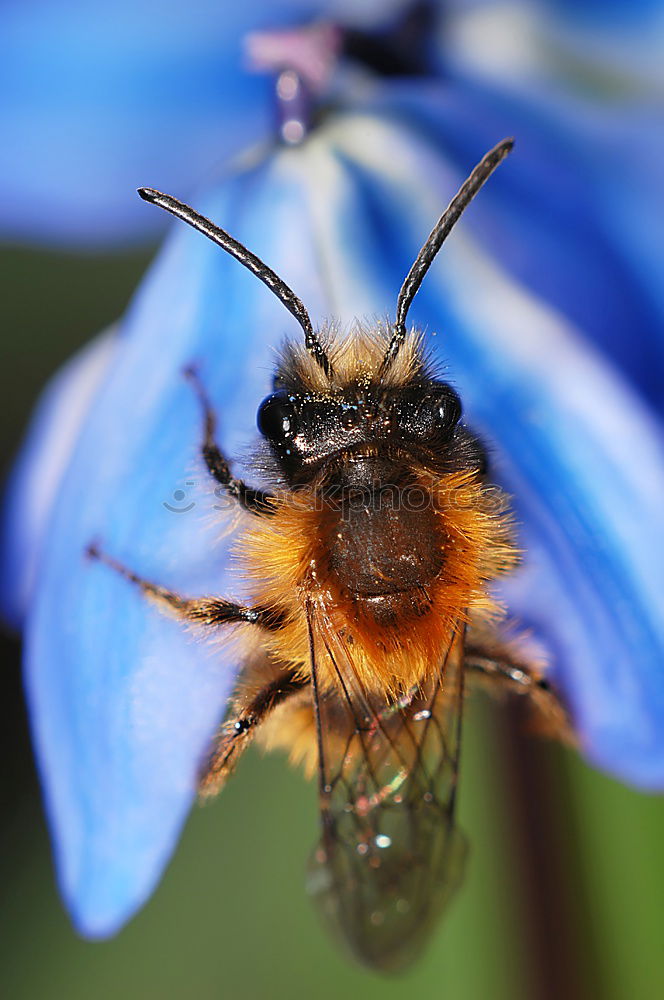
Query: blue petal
[(608, 52), (602, 11), (613, 48), (572, 215), (123, 700), (39, 470), (99, 99)]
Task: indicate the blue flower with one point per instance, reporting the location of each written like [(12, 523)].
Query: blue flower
[(545, 308)]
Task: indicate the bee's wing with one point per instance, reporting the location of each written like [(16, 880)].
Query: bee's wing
[(390, 856)]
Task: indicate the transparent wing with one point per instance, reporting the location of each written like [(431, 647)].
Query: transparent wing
[(390, 856)]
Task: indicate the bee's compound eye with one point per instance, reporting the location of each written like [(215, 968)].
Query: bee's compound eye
[(276, 417), (448, 410)]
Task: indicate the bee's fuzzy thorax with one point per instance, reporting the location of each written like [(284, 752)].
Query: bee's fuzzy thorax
[(288, 563)]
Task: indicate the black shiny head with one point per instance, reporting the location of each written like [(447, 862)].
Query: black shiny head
[(307, 431)]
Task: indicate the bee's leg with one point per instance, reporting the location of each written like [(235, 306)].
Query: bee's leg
[(500, 671), (249, 708), (207, 611), (255, 501)]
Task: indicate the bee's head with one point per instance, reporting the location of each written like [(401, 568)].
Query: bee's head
[(312, 419)]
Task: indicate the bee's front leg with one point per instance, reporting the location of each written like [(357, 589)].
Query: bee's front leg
[(253, 501), (260, 691), (207, 611)]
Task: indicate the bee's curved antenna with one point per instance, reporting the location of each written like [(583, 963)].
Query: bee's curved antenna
[(438, 234), (250, 261)]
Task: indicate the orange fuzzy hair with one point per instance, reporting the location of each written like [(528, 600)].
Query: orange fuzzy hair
[(286, 559)]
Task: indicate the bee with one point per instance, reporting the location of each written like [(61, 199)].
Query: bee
[(369, 552)]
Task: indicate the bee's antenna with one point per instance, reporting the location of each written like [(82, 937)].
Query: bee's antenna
[(250, 261), (438, 235)]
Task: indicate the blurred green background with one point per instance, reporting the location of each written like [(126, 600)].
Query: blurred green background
[(565, 889)]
